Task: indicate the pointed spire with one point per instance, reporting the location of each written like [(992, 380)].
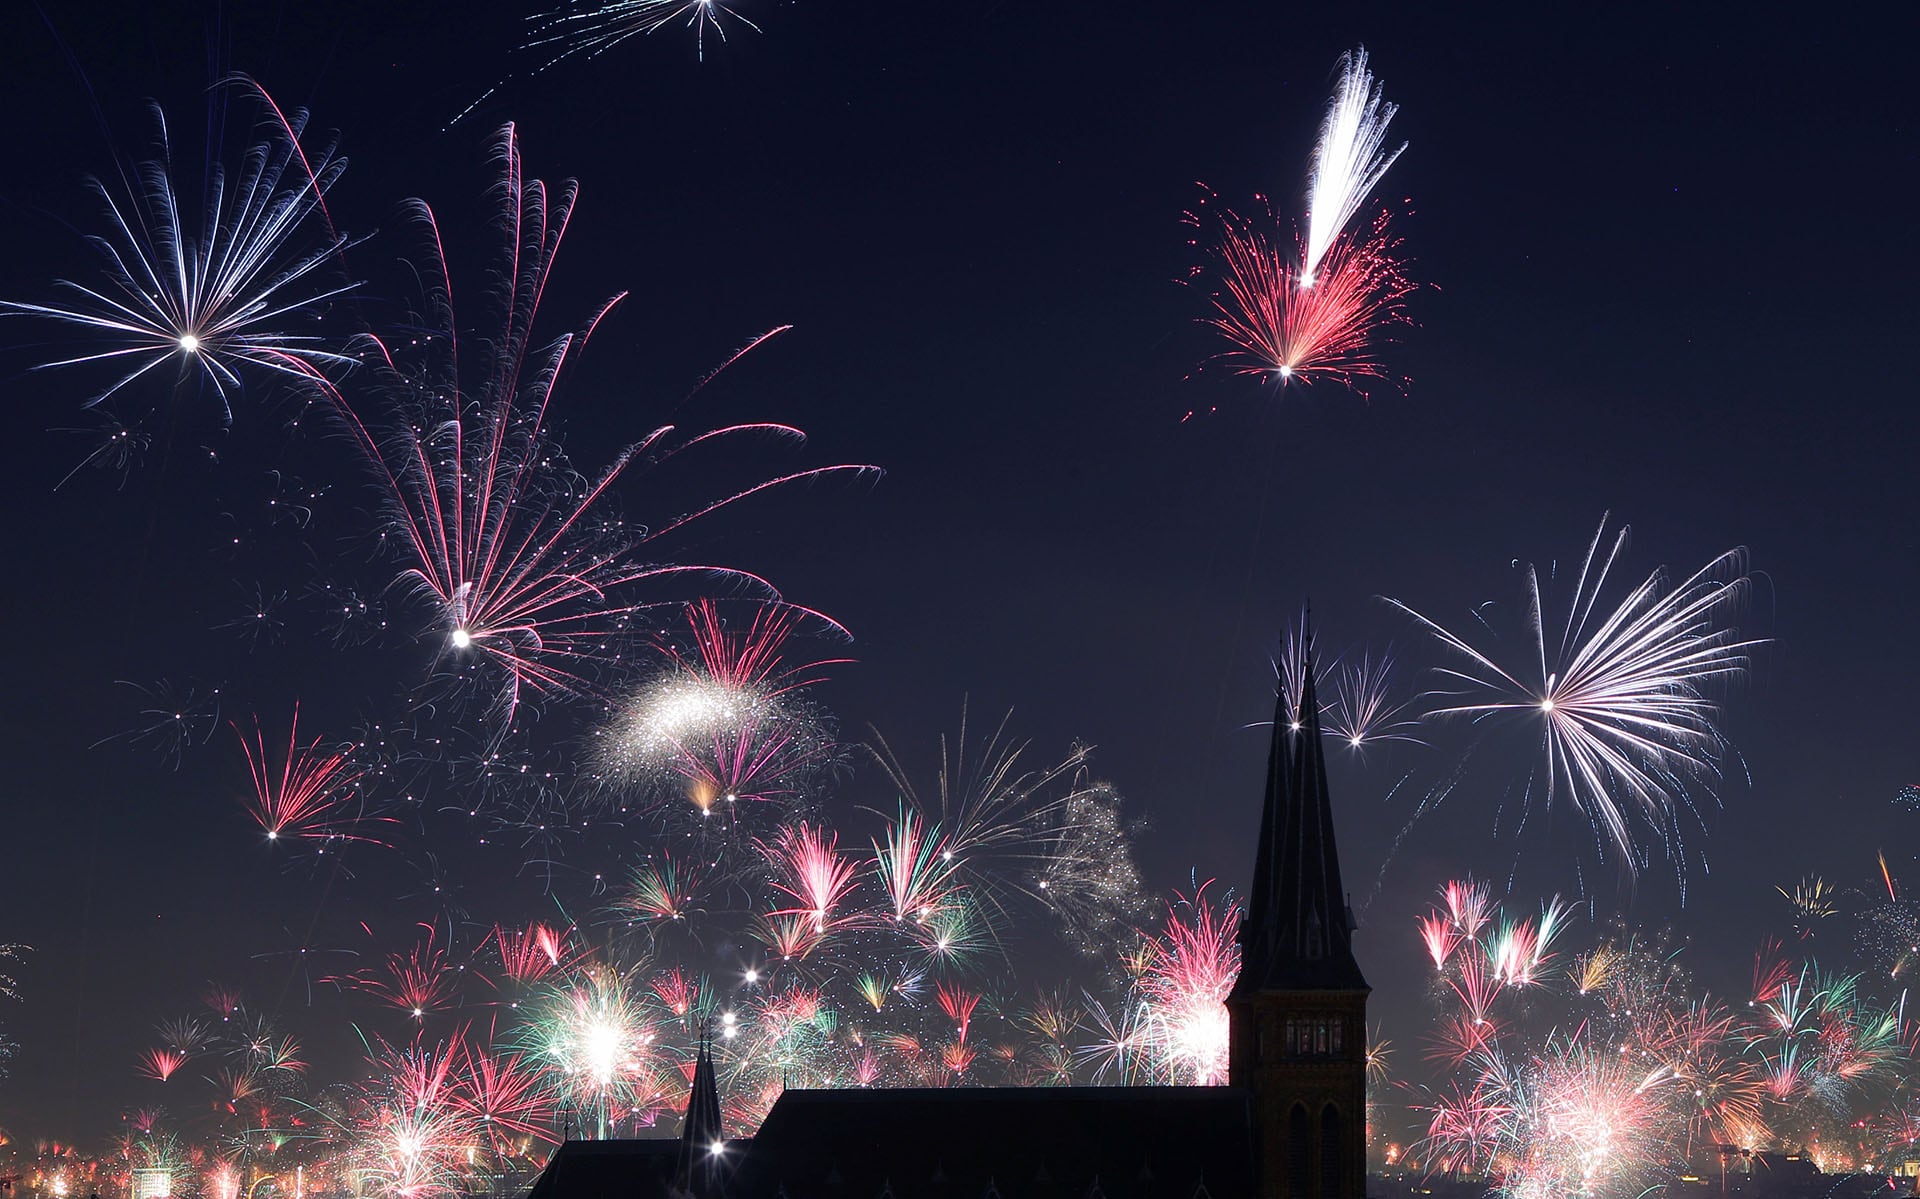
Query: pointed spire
[(702, 1129), (1297, 934)]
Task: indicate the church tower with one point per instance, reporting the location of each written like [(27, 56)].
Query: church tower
[(702, 1137), (1299, 1010)]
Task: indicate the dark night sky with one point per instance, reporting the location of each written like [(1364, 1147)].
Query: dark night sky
[(1671, 271)]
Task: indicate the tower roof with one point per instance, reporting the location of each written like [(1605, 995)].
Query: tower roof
[(1298, 934), (701, 1130)]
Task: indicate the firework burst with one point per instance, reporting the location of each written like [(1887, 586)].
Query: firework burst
[(590, 28), (1621, 697), (726, 722), (308, 793), (596, 1032), (218, 298), (1281, 328), (994, 824), (1365, 708), (1190, 970), (1309, 309), (520, 559)]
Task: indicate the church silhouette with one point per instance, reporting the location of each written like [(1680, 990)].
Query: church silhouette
[(1291, 1124)]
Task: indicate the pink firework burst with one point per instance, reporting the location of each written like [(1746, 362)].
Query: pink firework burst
[(1771, 971), (307, 792), (678, 992), (812, 872), (521, 559), (1459, 1037), (160, 1064), (506, 1095), (1464, 1127), (1440, 937), (529, 954), (414, 1129), (1283, 328), (1476, 986), (916, 867), (1191, 967), (417, 982), (753, 656), (958, 1004), (1469, 905)]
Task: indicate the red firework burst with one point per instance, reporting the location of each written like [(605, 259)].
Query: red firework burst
[(306, 793), (1283, 328)]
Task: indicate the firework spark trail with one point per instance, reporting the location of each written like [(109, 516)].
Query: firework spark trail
[(593, 27), (1477, 985), (185, 1036), (1469, 906), (661, 889), (1364, 709), (1440, 937), (517, 555), (589, 28), (1122, 1037), (1347, 160), (754, 656), (1621, 694), (1520, 950), (172, 719), (506, 1095), (302, 797), (958, 1004), (216, 300), (1813, 901), (418, 982), (1002, 827), (915, 868)]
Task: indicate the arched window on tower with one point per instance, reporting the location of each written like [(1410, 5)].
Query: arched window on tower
[(1332, 1162), (1299, 1143)]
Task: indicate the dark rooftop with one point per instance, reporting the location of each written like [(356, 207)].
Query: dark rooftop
[(1018, 1143)]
